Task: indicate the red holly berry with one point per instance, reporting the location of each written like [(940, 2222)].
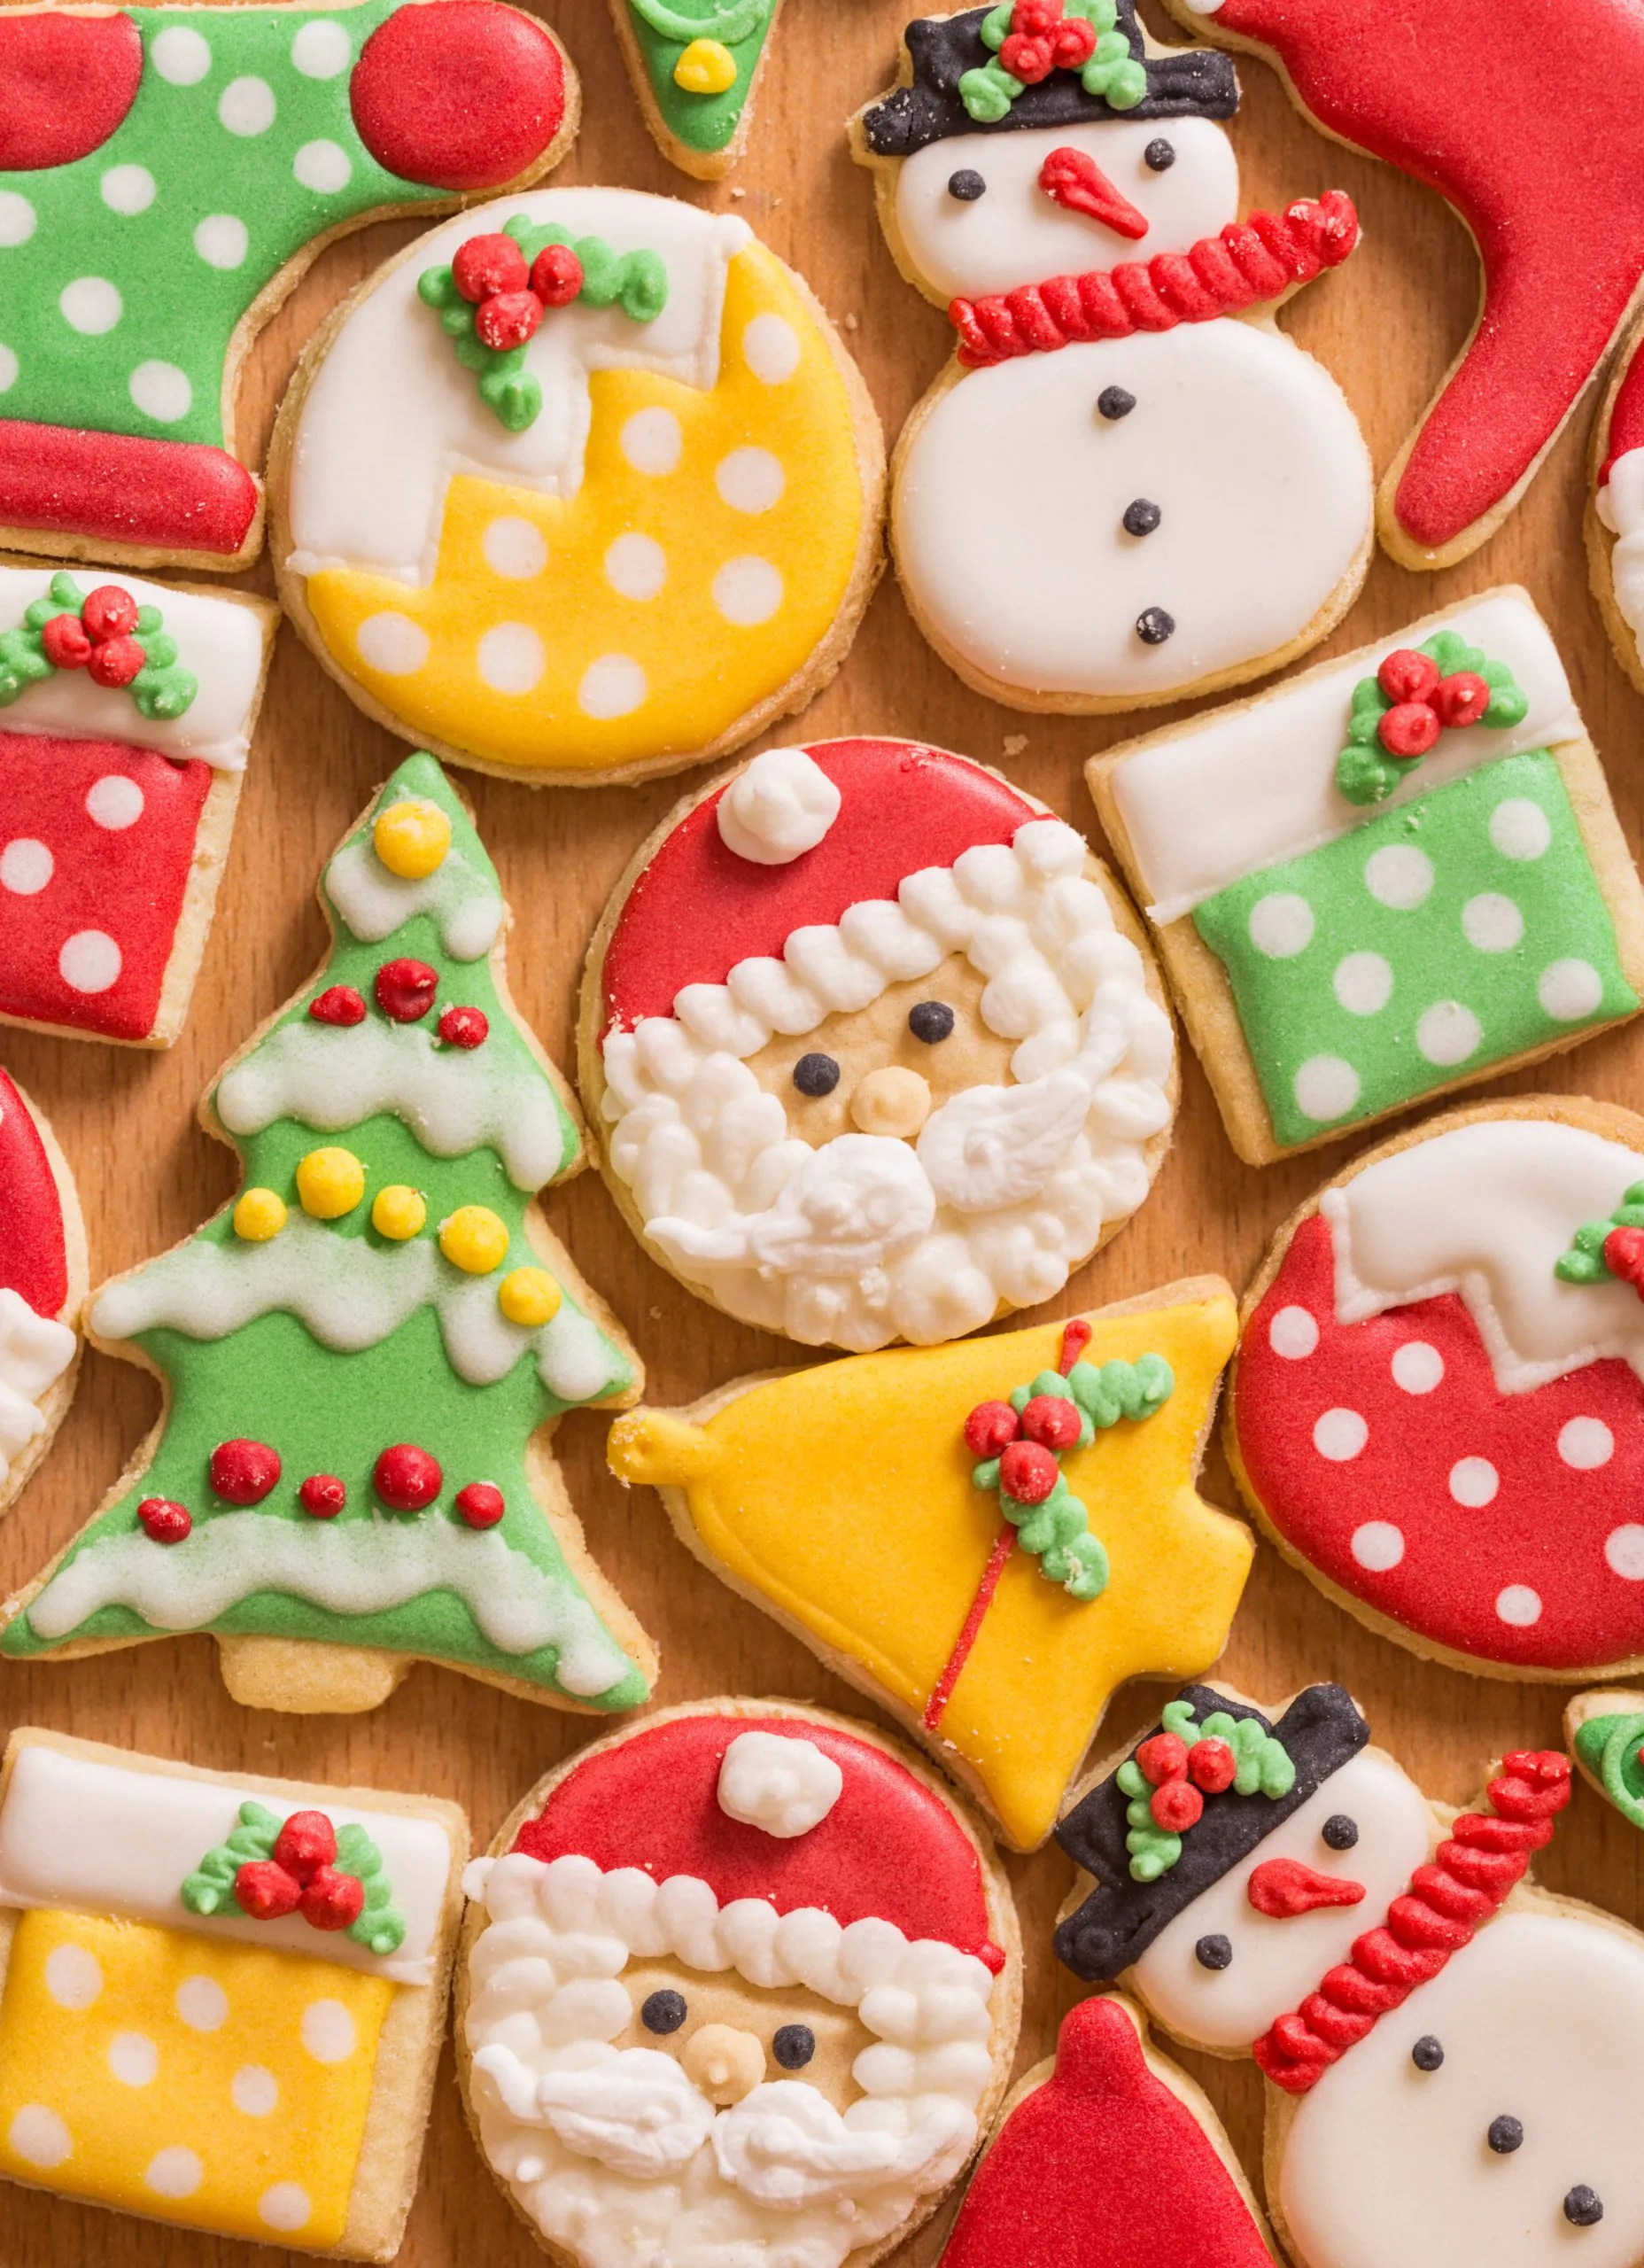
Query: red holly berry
[(1027, 1473), (1211, 1765), (1163, 1757), (116, 661), (305, 1842), (991, 1427), (338, 1004), (1460, 699), (405, 989), (64, 642), (1036, 17), (507, 319), (265, 1890), (463, 1027), (1051, 1421), (109, 612), (332, 1901), (1623, 1257), (1026, 59), (480, 1504), (556, 275), (166, 1522), (407, 1479), (1074, 43), (242, 1472), (1406, 675), (323, 1494), (1409, 729), (486, 265), (1176, 1807)]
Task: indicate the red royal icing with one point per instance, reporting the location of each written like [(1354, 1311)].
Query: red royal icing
[(118, 488), (1626, 415), (458, 94), (1528, 126), (66, 83), (33, 1258), (890, 1846), (1471, 1567), (1102, 2167), (697, 909)]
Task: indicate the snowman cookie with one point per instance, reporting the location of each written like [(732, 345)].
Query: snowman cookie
[(582, 486), (1437, 1408), (1393, 876), (876, 1048), (42, 1285), (742, 1984), (1118, 492)]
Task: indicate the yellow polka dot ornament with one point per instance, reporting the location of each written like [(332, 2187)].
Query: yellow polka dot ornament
[(582, 486)]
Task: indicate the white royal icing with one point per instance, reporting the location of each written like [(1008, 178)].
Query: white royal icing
[(391, 414), (83, 1837), (1243, 788), (219, 643), (777, 806), (34, 1352), (779, 1781), (1486, 1211), (1621, 509), (865, 1240), (464, 903)]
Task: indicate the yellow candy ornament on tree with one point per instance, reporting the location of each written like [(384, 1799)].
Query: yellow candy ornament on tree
[(412, 839), (528, 1295), (475, 1239), (706, 67), (330, 1182), (259, 1215), (398, 1212)]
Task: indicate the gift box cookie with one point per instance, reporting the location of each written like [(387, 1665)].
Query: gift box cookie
[(42, 1287), (1394, 875)]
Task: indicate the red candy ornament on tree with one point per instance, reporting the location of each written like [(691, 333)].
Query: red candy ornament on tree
[(480, 1504), (244, 1472), (338, 1004), (405, 989), (407, 1479), (166, 1522), (322, 1495), (464, 1028)]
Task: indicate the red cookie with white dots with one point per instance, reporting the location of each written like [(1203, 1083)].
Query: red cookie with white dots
[(1438, 1406)]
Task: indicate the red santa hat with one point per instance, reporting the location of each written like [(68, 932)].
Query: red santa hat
[(33, 1241)]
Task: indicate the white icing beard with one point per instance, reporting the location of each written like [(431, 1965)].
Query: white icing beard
[(616, 2156), (34, 1352), (1621, 509), (865, 1240)]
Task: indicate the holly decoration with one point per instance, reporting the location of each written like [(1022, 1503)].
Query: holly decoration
[(106, 633), (1611, 1248), (1396, 717), (1032, 38), (332, 1876), (1169, 1776), (492, 297)]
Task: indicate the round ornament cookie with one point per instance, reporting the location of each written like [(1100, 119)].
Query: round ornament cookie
[(1438, 1407), (876, 1045), (740, 1985), (43, 1286), (581, 488)]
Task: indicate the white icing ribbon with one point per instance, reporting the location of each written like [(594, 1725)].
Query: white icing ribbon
[(781, 1782), (778, 807), (34, 1352)]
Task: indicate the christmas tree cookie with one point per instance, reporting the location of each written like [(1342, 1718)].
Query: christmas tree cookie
[(43, 1286), (694, 67), (987, 1538), (224, 1997), (365, 1353), (165, 175), (1605, 1733)]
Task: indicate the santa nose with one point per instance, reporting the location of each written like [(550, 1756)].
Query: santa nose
[(1283, 1888), (724, 2063), (891, 1100)]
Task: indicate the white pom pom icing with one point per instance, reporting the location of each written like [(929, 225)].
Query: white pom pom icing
[(785, 1786), (782, 804)]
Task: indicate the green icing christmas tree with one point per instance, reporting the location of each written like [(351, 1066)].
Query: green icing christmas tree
[(360, 1349)]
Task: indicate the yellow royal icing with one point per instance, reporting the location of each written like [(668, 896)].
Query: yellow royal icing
[(674, 593), (219, 2085), (843, 1495)]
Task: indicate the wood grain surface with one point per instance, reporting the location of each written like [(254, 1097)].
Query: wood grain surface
[(1387, 324)]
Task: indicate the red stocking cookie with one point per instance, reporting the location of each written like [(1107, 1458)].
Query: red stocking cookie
[(42, 1281)]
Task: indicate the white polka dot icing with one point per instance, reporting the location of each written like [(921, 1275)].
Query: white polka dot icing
[(246, 106), (514, 547), (325, 167), (90, 304), (18, 218), (222, 240), (127, 189), (25, 866), (511, 658), (162, 391), (636, 566)]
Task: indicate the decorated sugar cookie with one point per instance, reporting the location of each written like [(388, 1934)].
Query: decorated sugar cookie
[(1451, 2050), (696, 68), (165, 175), (1539, 169), (1392, 877), (1605, 1730), (1175, 499), (224, 1997), (42, 1285), (742, 1984), (875, 1045), (1107, 2156), (1438, 1410), (987, 1538), (364, 1355), (125, 716), (581, 486), (1615, 518)]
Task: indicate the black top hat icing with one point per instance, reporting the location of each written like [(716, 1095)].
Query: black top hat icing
[(1197, 82), (1320, 1732)]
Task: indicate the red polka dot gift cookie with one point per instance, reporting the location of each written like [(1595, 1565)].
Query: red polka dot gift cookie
[(1438, 1407), (43, 1284)]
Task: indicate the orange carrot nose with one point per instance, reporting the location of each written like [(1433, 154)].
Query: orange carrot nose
[(1077, 182), (1284, 1887)]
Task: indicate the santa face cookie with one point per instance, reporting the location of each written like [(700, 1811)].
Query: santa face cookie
[(1180, 500), (1540, 172), (125, 716), (1437, 1410), (695, 70), (1392, 877), (877, 1049), (43, 1286), (582, 486), (224, 1997), (365, 1355), (743, 1984)]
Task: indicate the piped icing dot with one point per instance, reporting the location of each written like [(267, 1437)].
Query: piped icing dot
[(1427, 2052), (1142, 516), (1294, 1333), (1416, 1367), (259, 1214), (330, 1182), (1583, 2207), (1115, 402), (1340, 1435), (1339, 1832), (815, 1074), (1215, 1952), (1154, 625), (663, 2012), (1623, 1551), (1505, 2135), (930, 1022), (398, 1212), (1519, 1606), (1281, 924), (771, 348), (1474, 1481), (1378, 1546), (1586, 1443), (514, 547), (793, 2045), (412, 838), (966, 185), (1159, 155)]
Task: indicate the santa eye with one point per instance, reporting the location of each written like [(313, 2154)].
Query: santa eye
[(966, 185), (663, 2012), (1159, 155), (1340, 1832), (930, 1020), (1213, 1953), (794, 2046), (815, 1074)]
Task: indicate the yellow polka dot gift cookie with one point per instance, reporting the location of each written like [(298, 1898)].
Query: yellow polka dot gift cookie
[(581, 488), (221, 1997)]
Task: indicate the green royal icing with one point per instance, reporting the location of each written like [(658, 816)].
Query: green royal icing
[(209, 1890), (1610, 1748), (1262, 1766), (329, 1412), (226, 212), (1112, 72), (1584, 1262), (662, 33), (1414, 918)]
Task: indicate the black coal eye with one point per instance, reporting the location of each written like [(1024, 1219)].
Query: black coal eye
[(1506, 2135), (1427, 2052), (1115, 402), (930, 1020), (967, 185), (1159, 155), (794, 2046), (1213, 1953), (663, 2012), (1153, 625), (815, 1074), (1142, 516), (1583, 2206), (1340, 1832)]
